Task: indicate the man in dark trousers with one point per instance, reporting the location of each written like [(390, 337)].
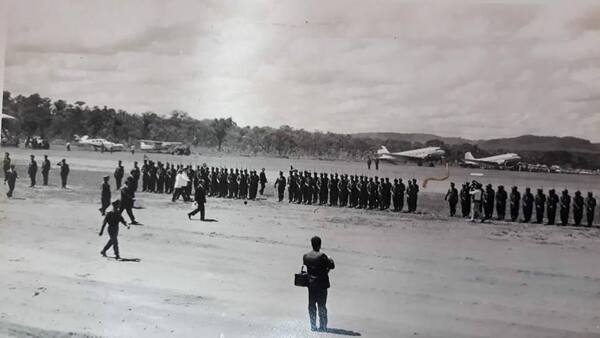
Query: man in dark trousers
[(105, 196), (64, 172), (565, 204), (280, 186), (32, 171), (527, 205), (489, 195), (263, 181), (318, 266), (369, 163), (119, 173), (501, 197), (452, 198), (11, 178), (45, 169), (540, 206), (551, 206), (200, 198), (376, 163), (590, 207), (465, 200), (6, 164), (578, 208), (113, 218), (515, 203), (127, 199)]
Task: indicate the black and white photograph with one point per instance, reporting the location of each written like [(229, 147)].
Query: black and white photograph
[(288, 168)]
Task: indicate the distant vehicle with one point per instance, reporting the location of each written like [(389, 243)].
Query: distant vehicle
[(503, 160), (417, 155), (37, 142), (175, 148), (555, 169), (97, 144)]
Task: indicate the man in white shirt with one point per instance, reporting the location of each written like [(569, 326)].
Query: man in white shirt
[(181, 181), (476, 198)]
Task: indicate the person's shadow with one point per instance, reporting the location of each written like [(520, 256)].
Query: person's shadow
[(209, 220), (342, 332)]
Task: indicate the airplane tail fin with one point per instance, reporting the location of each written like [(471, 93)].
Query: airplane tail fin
[(469, 156), (383, 150)]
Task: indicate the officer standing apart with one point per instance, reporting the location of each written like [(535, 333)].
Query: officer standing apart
[(318, 266), (119, 173), (113, 218), (263, 181), (32, 171), (64, 172), (280, 185), (45, 169), (6, 165), (452, 198)]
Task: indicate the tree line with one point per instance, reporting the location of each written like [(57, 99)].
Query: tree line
[(59, 119)]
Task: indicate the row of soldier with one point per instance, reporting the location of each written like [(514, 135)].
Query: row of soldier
[(352, 191), (479, 203), (10, 173)]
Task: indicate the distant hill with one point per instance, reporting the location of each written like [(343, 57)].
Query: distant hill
[(540, 143), (513, 144), (414, 137)]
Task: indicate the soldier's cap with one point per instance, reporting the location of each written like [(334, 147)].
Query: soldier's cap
[(31, 155), (106, 177)]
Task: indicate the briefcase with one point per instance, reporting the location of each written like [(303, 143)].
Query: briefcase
[(301, 279)]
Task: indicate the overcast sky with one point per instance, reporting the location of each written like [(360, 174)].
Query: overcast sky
[(476, 69)]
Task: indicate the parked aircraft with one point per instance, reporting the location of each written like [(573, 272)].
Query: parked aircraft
[(417, 155), (505, 160), (175, 148), (97, 143)]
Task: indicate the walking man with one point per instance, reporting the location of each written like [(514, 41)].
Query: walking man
[(318, 266), (11, 178), (113, 218), (105, 196), (200, 198), (127, 200)]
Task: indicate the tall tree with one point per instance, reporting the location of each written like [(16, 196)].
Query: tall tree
[(220, 128)]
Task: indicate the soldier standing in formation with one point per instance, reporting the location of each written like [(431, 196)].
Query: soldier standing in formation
[(527, 205), (119, 173), (590, 207), (452, 198), (565, 202), (64, 172), (540, 206), (551, 206), (45, 169), (488, 202), (578, 208), (501, 197), (105, 196), (32, 171), (515, 203), (11, 178)]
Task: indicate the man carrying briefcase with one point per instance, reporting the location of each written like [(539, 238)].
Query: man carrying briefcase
[(318, 266)]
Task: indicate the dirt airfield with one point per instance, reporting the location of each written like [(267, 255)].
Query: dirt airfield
[(397, 275)]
